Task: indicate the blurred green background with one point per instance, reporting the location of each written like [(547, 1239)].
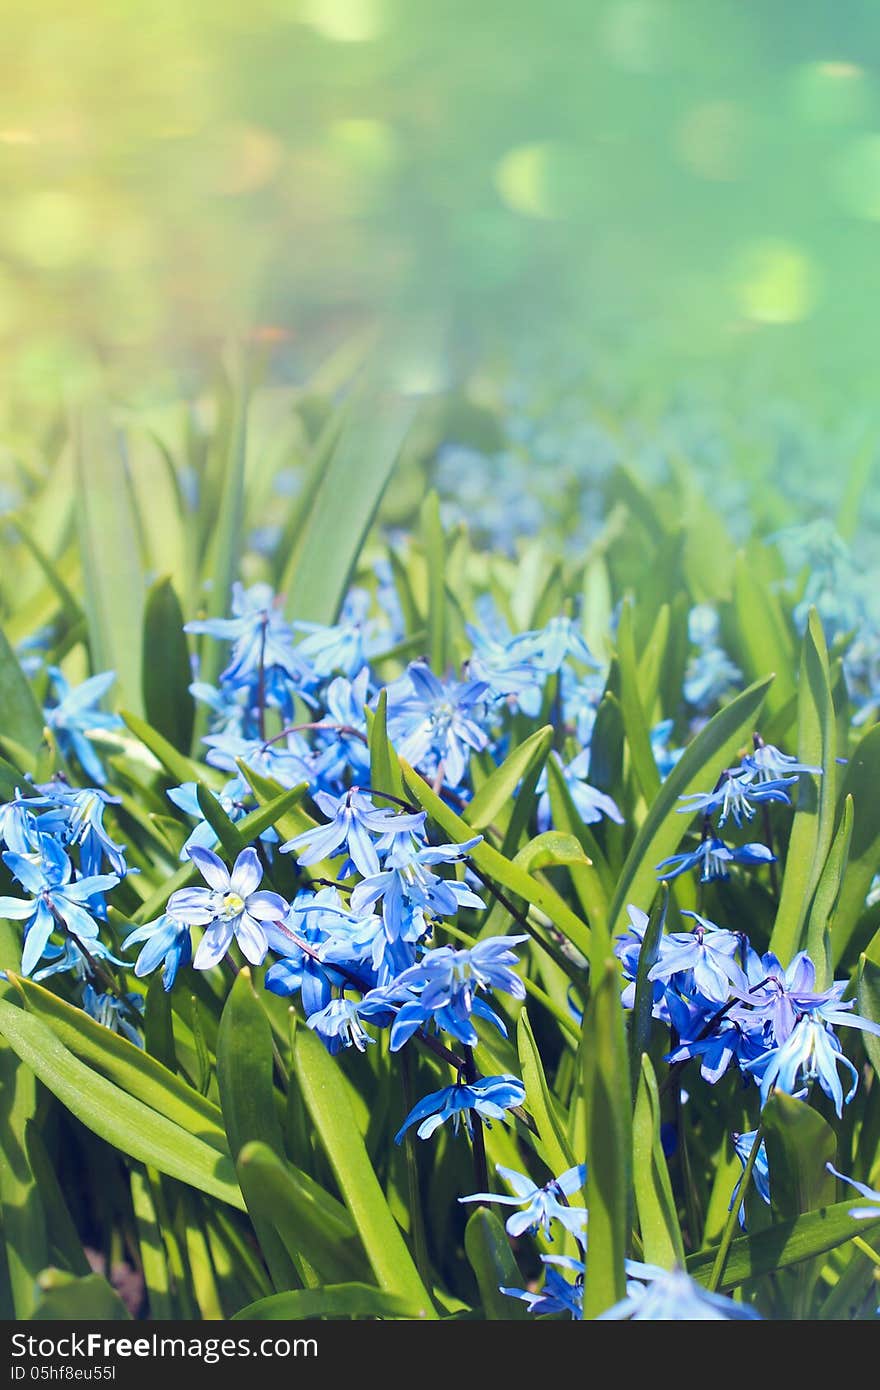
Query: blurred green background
[(693, 185)]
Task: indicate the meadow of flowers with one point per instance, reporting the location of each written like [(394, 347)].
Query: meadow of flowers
[(439, 843)]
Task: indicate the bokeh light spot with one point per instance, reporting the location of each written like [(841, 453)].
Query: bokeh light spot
[(345, 21), (776, 282)]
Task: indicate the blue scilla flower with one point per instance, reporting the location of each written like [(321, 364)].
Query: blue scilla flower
[(664, 756), (811, 1052), (344, 749), (870, 1213), (713, 859), (230, 907), (489, 1097), (339, 1025), (411, 895), (260, 635), (288, 762), (540, 1205), (591, 804), (705, 1031), (557, 1294), (434, 723), (56, 901), (710, 675), (770, 764), (445, 982), (743, 1145), (549, 646), (737, 795), (75, 714), (167, 942), (507, 672), (670, 1295), (70, 957), (705, 956), (340, 648), (19, 830), (115, 1012), (777, 997), (353, 819), (76, 817)]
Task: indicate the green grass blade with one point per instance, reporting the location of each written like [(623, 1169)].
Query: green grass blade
[(658, 1218)]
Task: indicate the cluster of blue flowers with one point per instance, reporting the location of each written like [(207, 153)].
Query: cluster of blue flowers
[(65, 860), (763, 776), (728, 1006), (651, 1293)]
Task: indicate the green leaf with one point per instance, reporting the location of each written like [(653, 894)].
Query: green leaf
[(343, 507), (181, 768), (557, 1153), (783, 1244), (634, 716), (658, 1218), (112, 1114), (868, 996), (697, 770), (384, 767), (24, 1228), (110, 548), (764, 640), (22, 717), (244, 1070), (331, 1115), (123, 1063), (166, 668), (150, 1247), (434, 544), (593, 881), (609, 1138), (66, 1244), (224, 547), (552, 847), (643, 1003), (90, 1299), (310, 1224), (329, 1301), (813, 824), (799, 1144), (491, 1259), (498, 789), (495, 866), (861, 781), (827, 893)]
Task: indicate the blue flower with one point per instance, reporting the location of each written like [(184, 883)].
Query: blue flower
[(434, 723), (771, 764), (811, 1053), (737, 795), (411, 895), (489, 1097), (75, 715), (338, 1025), (670, 1295), (444, 982), (549, 646), (115, 1012), (77, 817), (259, 632), (340, 648), (705, 955), (56, 900), (591, 804), (229, 907), (166, 940), (508, 674), (743, 1145), (558, 1294), (352, 819), (541, 1205), (712, 857)]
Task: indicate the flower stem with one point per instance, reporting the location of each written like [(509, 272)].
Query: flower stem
[(478, 1139)]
